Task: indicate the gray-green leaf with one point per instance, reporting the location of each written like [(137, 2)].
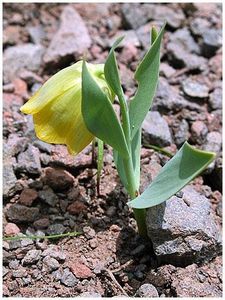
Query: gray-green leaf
[(99, 115), (179, 171), (147, 77)]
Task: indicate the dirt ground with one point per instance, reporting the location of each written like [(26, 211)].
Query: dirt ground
[(47, 191)]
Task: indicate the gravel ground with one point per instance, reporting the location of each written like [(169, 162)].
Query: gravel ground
[(46, 191)]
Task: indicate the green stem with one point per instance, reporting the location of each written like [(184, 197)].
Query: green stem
[(35, 237), (140, 214)]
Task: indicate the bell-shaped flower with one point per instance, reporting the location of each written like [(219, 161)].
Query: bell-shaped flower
[(56, 107)]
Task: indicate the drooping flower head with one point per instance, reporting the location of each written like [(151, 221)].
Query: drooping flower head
[(56, 107)]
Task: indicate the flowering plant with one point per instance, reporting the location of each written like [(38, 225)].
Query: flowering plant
[(75, 105)]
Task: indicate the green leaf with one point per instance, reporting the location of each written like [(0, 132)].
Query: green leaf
[(99, 115), (135, 150), (111, 70), (146, 75), (179, 171)]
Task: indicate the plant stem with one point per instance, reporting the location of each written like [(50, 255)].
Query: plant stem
[(35, 237), (140, 214)]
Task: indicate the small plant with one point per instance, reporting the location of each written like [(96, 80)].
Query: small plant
[(75, 105)]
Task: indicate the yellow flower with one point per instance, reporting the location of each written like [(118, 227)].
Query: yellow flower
[(56, 107)]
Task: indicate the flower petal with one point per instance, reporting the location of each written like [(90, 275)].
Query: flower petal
[(61, 122)]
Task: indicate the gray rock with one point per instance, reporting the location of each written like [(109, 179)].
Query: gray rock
[(71, 39), (16, 144), (167, 99), (21, 213), (156, 130), (54, 252), (89, 232), (180, 58), (199, 26), (212, 41), (9, 177), (51, 263), (31, 257), (21, 57), (215, 99), (199, 131), (48, 196), (4, 271), (195, 89), (56, 229), (68, 279), (45, 147), (180, 132), (37, 34), (133, 15), (130, 37), (182, 230), (147, 290), (184, 40), (213, 142), (14, 264), (174, 18), (90, 294), (19, 273), (28, 162), (26, 242)]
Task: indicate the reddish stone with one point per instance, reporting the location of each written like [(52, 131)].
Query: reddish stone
[(11, 229), (28, 196), (80, 270), (20, 87), (41, 223), (58, 179), (76, 207)]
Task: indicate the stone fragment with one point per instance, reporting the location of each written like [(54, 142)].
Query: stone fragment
[(51, 263), (58, 179), (180, 131), (54, 252), (166, 70), (147, 290), (133, 15), (130, 38), (212, 41), (19, 273), (28, 196), (48, 196), (28, 162), (184, 40), (16, 144), (215, 99), (56, 229), (213, 142), (37, 34), (20, 213), (71, 39), (11, 229), (89, 232), (68, 279), (80, 270), (195, 89), (199, 131), (31, 257), (90, 295), (199, 26), (156, 130), (42, 146), (182, 230), (21, 57), (41, 223), (76, 208), (9, 178)]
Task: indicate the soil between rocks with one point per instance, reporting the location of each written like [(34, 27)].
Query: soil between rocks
[(46, 191)]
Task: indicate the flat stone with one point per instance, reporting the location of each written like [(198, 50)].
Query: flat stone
[(80, 270), (41, 223), (16, 144), (31, 257), (195, 89), (133, 15), (56, 229), (42, 146), (28, 196), (184, 40), (11, 229), (28, 162), (147, 290), (182, 230), (199, 26), (72, 37), (51, 263), (48, 196), (215, 99), (90, 295), (55, 252), (156, 130), (212, 41), (68, 279), (21, 57), (58, 179), (213, 142), (76, 208), (20, 213), (19, 273), (199, 131)]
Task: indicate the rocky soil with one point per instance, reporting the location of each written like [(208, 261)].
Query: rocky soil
[(47, 191)]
